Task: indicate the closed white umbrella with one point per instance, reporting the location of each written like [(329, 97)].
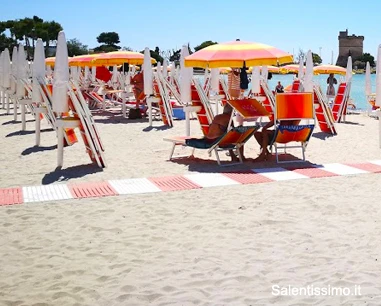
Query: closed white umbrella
[(148, 81), (349, 74), (1, 68), (14, 69), (378, 78), (21, 71), (368, 82), (165, 68), (172, 73), (215, 80), (147, 73), (6, 69), (186, 75), (38, 70), (61, 76), (255, 81), (158, 68), (87, 73), (115, 73), (2, 93), (265, 73), (308, 82), (301, 70), (74, 73), (93, 73)]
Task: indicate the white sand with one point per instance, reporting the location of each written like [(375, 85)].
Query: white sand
[(214, 246)]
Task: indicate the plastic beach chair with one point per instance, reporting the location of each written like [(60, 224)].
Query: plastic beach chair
[(323, 112), (339, 107), (293, 107)]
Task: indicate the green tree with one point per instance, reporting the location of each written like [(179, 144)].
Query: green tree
[(75, 47), (155, 54), (316, 59), (366, 57), (109, 41), (7, 42), (175, 55), (29, 29), (359, 64), (204, 45)]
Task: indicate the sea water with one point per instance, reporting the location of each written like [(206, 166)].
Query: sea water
[(357, 93)]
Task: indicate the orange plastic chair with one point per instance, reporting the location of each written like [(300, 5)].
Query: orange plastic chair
[(293, 107)]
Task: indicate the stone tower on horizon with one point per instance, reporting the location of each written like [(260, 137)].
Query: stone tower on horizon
[(349, 45)]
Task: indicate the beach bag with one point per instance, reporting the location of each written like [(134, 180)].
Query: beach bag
[(134, 113), (244, 81)]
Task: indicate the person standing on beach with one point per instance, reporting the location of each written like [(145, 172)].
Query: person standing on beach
[(138, 88), (234, 82), (279, 88), (331, 80)]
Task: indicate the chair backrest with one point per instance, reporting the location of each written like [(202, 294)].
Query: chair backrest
[(249, 108), (295, 86), (294, 106), (297, 107)]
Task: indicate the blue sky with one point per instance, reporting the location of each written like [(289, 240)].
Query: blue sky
[(287, 25)]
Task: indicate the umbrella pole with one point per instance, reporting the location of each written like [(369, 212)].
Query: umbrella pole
[(379, 125), (149, 103), (124, 101)]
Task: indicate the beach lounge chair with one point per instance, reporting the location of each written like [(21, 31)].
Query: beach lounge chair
[(339, 107), (297, 107), (233, 139), (323, 112), (204, 113), (164, 104), (295, 86)]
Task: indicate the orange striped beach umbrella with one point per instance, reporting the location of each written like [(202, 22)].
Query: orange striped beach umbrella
[(327, 69), (49, 61), (294, 68), (272, 69), (235, 54), (83, 60), (120, 57)]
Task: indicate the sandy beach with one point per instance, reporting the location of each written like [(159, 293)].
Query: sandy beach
[(215, 246)]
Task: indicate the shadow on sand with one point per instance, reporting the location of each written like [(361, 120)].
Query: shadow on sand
[(210, 165), (322, 135), (14, 122), (36, 149), (20, 133), (156, 128), (61, 175)]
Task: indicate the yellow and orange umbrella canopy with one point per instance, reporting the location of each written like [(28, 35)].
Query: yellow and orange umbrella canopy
[(49, 61), (120, 57), (270, 68), (327, 69), (83, 60), (235, 54), (294, 68)]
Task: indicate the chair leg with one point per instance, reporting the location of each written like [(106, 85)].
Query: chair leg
[(172, 151), (217, 157), (239, 154)]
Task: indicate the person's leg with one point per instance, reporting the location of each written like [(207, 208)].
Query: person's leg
[(266, 135)]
